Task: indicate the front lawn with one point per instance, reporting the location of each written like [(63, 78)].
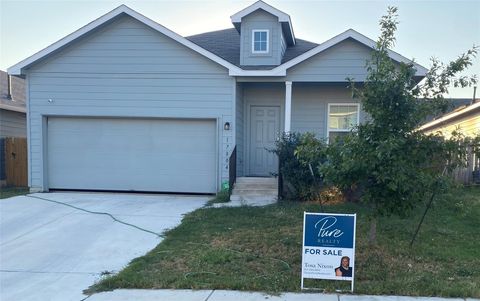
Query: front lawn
[(8, 192), (259, 249)]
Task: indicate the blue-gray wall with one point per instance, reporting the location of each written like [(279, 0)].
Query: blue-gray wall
[(126, 69), (239, 128), (258, 20), (310, 106), (257, 94), (309, 109), (346, 59), (2, 160)]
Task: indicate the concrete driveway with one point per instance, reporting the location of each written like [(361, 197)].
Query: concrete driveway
[(49, 251)]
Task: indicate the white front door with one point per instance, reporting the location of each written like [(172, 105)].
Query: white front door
[(264, 130)]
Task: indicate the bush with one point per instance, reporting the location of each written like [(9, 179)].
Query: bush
[(298, 153)]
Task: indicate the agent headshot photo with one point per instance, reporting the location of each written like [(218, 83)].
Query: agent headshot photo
[(344, 270)]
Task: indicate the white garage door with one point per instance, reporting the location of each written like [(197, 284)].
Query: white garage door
[(169, 155)]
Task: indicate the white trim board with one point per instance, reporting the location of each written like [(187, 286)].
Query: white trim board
[(330, 104), (267, 41), (14, 108), (234, 70), (450, 116), (282, 17)]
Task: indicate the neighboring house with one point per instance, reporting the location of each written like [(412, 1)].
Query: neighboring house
[(127, 104), (13, 121), (464, 119), (12, 106)]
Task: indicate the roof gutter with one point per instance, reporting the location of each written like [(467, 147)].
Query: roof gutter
[(451, 116)]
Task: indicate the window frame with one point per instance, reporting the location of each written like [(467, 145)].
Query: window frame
[(267, 41), (345, 104)]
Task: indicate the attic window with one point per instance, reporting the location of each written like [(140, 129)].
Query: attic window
[(260, 41)]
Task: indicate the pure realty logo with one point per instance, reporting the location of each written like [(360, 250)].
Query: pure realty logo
[(328, 246)]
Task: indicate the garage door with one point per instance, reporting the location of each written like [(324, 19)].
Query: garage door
[(169, 155)]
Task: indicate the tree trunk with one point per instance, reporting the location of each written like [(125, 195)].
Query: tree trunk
[(372, 237)]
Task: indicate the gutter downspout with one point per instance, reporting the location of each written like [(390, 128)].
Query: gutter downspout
[(9, 87), (474, 94)]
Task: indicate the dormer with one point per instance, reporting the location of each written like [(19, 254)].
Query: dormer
[(265, 34)]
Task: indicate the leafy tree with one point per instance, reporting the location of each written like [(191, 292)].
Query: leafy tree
[(395, 166)]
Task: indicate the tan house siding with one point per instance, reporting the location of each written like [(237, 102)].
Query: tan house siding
[(468, 126)]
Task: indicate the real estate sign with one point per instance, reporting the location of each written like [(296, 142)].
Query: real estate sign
[(328, 246)]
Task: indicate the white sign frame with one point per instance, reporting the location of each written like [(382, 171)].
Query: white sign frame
[(352, 279)]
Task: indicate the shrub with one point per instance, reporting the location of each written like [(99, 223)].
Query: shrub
[(298, 153)]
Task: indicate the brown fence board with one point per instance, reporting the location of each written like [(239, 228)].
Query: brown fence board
[(16, 161)]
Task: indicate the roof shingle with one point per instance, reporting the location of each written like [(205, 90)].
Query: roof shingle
[(226, 44)]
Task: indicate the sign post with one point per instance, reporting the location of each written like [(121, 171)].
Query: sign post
[(328, 246)]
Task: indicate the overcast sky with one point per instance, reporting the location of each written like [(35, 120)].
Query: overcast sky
[(443, 29)]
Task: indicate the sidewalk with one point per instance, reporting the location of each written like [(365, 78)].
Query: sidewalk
[(220, 295)]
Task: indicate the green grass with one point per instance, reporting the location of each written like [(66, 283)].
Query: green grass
[(259, 249), (222, 196), (8, 192)]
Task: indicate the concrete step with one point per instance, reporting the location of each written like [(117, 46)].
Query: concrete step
[(256, 180), (259, 191), (254, 191), (256, 186), (253, 200)]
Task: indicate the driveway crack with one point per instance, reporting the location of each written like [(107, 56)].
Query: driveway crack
[(97, 212), (86, 298), (210, 295)]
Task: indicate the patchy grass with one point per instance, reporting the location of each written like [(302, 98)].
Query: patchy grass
[(8, 192), (259, 249), (222, 196)]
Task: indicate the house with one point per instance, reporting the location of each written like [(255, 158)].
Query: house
[(12, 106), (126, 104), (13, 121), (465, 120)]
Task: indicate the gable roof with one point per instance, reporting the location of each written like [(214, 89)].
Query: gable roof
[(122, 9), (352, 34), (283, 18), (226, 44), (348, 34), (221, 53)]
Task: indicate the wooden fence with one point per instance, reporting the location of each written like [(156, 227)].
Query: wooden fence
[(470, 173), (15, 155)]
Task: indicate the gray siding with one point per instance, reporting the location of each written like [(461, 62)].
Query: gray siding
[(261, 94), (239, 129), (12, 124), (283, 44), (256, 21), (126, 69), (310, 106), (2, 160), (346, 59)]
